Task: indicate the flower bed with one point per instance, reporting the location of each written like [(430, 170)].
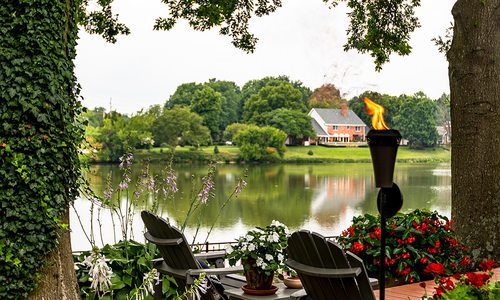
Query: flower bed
[(416, 242), (471, 285)]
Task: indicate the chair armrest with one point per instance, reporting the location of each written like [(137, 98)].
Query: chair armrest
[(298, 294), (162, 242), (322, 272), (215, 271), (373, 281), (192, 273), (210, 255)]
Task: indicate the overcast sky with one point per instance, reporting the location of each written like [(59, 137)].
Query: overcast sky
[(303, 39)]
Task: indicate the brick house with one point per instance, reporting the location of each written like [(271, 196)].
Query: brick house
[(339, 127)]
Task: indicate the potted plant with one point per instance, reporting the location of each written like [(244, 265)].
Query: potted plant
[(261, 252)]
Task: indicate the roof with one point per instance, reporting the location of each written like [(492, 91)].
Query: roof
[(335, 117), (317, 128)]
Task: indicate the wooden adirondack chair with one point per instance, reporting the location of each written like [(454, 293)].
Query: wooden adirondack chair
[(325, 271), (178, 259)]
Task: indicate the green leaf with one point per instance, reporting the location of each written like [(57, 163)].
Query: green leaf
[(116, 282)]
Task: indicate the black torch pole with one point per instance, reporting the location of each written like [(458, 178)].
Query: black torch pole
[(382, 254)]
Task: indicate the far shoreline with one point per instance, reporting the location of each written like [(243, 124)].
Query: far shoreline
[(293, 155)]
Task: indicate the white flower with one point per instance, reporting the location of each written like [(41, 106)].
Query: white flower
[(244, 247), (249, 237), (99, 271), (273, 238), (229, 249), (150, 279), (269, 257), (251, 247), (259, 262), (277, 223), (263, 266), (280, 257)]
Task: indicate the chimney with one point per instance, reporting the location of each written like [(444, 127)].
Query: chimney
[(344, 109)]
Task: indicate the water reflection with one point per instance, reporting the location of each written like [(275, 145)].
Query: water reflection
[(320, 197)]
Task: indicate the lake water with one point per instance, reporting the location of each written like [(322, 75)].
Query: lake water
[(318, 197)]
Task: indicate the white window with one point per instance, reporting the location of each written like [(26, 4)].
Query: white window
[(358, 128), (335, 127)]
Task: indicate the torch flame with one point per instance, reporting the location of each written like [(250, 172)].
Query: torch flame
[(377, 112)]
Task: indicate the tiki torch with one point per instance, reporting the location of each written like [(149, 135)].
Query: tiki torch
[(383, 143)]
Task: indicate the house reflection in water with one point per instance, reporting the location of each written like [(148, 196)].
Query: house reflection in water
[(335, 198)]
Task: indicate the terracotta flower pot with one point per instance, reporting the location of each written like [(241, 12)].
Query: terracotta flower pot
[(293, 282), (256, 278)]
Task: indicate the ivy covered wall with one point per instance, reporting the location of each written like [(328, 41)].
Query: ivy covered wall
[(39, 135)]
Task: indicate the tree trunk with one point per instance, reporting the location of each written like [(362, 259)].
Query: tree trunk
[(58, 276), (474, 73)]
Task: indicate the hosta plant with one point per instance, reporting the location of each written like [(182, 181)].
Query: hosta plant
[(415, 241), (120, 271)]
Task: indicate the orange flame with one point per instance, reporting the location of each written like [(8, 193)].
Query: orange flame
[(377, 112)]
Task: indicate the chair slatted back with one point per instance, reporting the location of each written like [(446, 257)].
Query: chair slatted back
[(175, 256), (314, 250)]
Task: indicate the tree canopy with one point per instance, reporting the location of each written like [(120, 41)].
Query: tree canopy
[(269, 98), (296, 124), (180, 126), (416, 119), (326, 96)]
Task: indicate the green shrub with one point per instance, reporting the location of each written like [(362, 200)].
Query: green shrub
[(216, 150), (310, 152), (129, 262), (414, 241)]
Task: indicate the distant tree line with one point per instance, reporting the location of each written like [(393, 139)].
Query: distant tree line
[(258, 117)]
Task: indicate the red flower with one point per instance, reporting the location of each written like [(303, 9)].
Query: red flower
[(439, 291), (432, 250), (477, 279), (424, 227), (411, 239), (351, 230), (435, 268), (405, 271), (466, 261), (453, 242), (487, 265), (411, 280), (423, 260), (447, 283), (389, 262), (357, 247)]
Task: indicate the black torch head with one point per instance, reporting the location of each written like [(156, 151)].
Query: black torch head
[(383, 149)]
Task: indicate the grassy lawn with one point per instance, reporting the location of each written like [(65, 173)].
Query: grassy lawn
[(362, 154), (319, 154)]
